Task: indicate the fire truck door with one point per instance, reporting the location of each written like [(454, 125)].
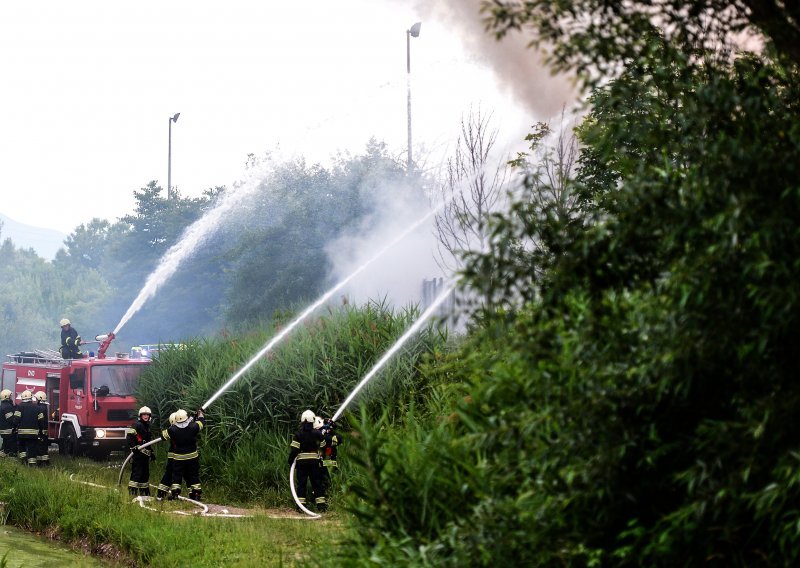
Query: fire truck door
[(9, 379), (53, 391)]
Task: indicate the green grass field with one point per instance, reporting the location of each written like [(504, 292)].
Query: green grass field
[(60, 502)]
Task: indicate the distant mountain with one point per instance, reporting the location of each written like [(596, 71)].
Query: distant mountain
[(45, 242)]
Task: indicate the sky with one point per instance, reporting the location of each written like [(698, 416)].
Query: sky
[(88, 88)]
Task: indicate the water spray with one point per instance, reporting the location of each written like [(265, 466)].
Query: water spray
[(194, 235), (313, 307), (425, 316)]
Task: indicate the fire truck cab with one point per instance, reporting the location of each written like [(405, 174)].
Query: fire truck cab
[(91, 400)]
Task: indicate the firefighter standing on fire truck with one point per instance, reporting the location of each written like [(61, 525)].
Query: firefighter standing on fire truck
[(32, 423), (304, 452), (9, 419), (185, 457), (42, 456), (137, 435), (70, 341)]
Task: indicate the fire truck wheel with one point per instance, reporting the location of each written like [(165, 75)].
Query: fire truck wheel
[(68, 444)]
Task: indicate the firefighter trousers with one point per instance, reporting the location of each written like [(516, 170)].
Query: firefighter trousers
[(311, 469), (9, 448), (140, 474), (28, 448), (188, 470), (166, 480)]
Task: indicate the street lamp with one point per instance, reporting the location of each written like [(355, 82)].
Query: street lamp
[(413, 31), (170, 120)]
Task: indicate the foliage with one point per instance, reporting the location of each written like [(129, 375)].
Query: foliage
[(632, 392), (34, 296)]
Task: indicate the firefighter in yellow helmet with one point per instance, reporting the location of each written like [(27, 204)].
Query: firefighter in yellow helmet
[(32, 423), (70, 341), (9, 419), (185, 457), (43, 457), (304, 453), (138, 434)]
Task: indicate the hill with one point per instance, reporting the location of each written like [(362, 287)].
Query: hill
[(45, 242)]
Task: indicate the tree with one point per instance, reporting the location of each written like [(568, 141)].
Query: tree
[(473, 186), (86, 245)]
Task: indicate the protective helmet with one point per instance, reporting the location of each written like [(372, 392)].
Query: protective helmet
[(26, 396), (172, 418), (318, 422), (181, 416), (63, 322), (41, 396), (145, 410), (307, 416), (5, 394)]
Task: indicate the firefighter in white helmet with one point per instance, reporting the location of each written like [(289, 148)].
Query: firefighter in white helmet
[(43, 457), (9, 420), (70, 341), (184, 454), (138, 434), (304, 453), (32, 423), (166, 479)]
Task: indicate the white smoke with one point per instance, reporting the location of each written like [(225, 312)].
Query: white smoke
[(514, 63), (398, 274)]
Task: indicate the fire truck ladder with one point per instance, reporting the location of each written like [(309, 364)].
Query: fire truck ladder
[(39, 357)]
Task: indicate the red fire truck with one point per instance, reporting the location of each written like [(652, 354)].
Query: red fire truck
[(91, 399)]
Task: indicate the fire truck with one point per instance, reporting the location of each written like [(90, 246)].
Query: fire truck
[(91, 399)]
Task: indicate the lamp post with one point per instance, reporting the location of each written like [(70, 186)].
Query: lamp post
[(170, 120), (413, 31)]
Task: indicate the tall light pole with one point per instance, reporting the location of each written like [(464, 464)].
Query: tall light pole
[(170, 120), (413, 31)]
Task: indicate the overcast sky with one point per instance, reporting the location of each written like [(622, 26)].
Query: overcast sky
[(87, 89)]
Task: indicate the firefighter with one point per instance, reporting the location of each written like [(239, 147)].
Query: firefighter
[(138, 434), (304, 452), (32, 422), (184, 454), (70, 341), (43, 456), (166, 479), (9, 419), (329, 450)]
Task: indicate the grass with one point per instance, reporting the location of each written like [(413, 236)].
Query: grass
[(47, 501)]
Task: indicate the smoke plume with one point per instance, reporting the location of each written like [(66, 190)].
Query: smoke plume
[(515, 64)]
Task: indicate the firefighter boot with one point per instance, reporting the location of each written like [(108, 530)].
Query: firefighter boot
[(322, 504), (195, 494)]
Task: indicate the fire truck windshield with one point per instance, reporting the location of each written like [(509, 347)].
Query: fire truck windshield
[(115, 380)]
